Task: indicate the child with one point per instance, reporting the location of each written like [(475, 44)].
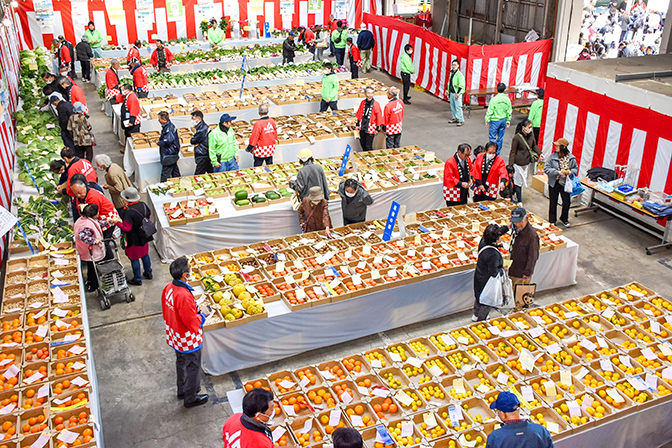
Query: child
[(355, 58)]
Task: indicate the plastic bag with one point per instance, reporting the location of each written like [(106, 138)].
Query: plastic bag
[(498, 291), (568, 185), (577, 186), (507, 291)]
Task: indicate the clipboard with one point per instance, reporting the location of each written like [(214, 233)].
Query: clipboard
[(524, 295)]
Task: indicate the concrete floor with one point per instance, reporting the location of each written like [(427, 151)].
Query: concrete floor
[(135, 367)]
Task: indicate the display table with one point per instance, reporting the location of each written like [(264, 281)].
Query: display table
[(658, 226), (176, 48), (229, 64), (145, 164), (237, 227), (284, 333)]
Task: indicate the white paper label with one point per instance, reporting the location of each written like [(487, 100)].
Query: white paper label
[(502, 378), (415, 362), (395, 357), (606, 365), (380, 392), (403, 398), (430, 420), (10, 372), (608, 313), (435, 370), (78, 366), (667, 373), (463, 340), (581, 373), (625, 360), (655, 327), (651, 381), (34, 377), (526, 360), (42, 331), (7, 409), (287, 384), (528, 393), (59, 312), (68, 437), (406, 429), (71, 337), (43, 391), (289, 410), (553, 348), (278, 432), (334, 417), (553, 427), (549, 387), (665, 349), (375, 363), (566, 377), (346, 398), (356, 421), (79, 381), (601, 342), (536, 332), (42, 440), (648, 354), (574, 408)]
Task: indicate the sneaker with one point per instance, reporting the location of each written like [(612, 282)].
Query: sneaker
[(134, 282), (407, 102), (461, 123), (474, 318), (566, 224), (148, 275), (453, 121)]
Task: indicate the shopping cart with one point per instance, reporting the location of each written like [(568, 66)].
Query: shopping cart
[(111, 277)]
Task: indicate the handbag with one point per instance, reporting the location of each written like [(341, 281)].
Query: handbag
[(577, 186), (147, 228), (498, 291), (534, 157)]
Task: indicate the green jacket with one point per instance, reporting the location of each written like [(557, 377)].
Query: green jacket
[(344, 37), (222, 144), (215, 35), (458, 82), (535, 113), (499, 108), (406, 63), (94, 37), (329, 87)]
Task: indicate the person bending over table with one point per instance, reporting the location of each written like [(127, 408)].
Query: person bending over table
[(314, 212), (309, 175)]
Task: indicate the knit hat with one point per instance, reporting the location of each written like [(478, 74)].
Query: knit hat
[(315, 193), (305, 154)]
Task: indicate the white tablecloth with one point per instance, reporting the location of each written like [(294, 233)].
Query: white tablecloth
[(284, 333), (147, 50), (144, 163), (233, 64), (236, 227)]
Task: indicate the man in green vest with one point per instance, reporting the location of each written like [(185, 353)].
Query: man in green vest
[(498, 116), (95, 39), (535, 113), (339, 36), (329, 90), (407, 68), (455, 92), (215, 34), (222, 146)]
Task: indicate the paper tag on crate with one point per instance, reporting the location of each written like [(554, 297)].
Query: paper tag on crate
[(601, 342), (334, 417), (43, 391), (71, 337), (553, 348), (280, 266), (380, 392), (447, 340), (637, 383), (277, 433), (667, 373), (622, 296), (346, 398), (458, 385), (606, 365), (655, 327), (6, 361), (549, 388), (494, 330), (665, 348), (78, 365), (415, 362), (463, 340), (356, 421), (406, 428), (651, 380), (553, 427), (636, 293), (395, 357), (574, 408), (7, 409), (10, 372), (581, 373), (289, 410), (526, 360), (608, 313), (59, 295), (566, 377), (625, 360), (649, 354), (426, 266), (502, 378), (285, 384), (571, 315), (300, 293), (430, 420), (528, 393), (42, 331), (588, 345), (79, 382), (404, 398), (435, 370), (366, 250), (466, 443), (482, 388), (307, 426)]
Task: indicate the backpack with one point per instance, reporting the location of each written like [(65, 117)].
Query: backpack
[(147, 229)]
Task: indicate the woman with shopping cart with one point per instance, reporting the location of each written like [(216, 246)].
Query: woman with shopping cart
[(89, 243)]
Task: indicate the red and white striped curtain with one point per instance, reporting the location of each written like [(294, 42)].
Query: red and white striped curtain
[(483, 65), (9, 83), (187, 27), (603, 131)]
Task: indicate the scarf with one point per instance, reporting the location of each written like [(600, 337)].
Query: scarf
[(462, 168), (487, 166), (366, 116)]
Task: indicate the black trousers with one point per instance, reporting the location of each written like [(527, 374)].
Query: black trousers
[(141, 94), (366, 140), (347, 222), (480, 311), (131, 130), (340, 56), (169, 171), (259, 161), (553, 193), (188, 367), (91, 279), (324, 105), (535, 131), (86, 70), (393, 141), (354, 70), (108, 234), (482, 197), (84, 152), (406, 80), (287, 60), (464, 196), (203, 165)]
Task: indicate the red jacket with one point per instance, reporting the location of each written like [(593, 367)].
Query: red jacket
[(133, 53), (354, 54), (264, 137), (77, 95), (240, 434), (495, 175), (140, 79), (132, 105), (64, 52), (376, 118), (451, 178), (113, 87), (309, 37), (394, 114), (154, 59), (184, 324), (80, 166), (106, 210), (333, 25)]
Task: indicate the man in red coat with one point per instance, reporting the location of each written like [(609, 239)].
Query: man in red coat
[(140, 78), (264, 138), (75, 165), (134, 52), (251, 428), (490, 174), (73, 93), (184, 332), (393, 115), (355, 58), (113, 89), (130, 111), (369, 120), (457, 176), (161, 58)]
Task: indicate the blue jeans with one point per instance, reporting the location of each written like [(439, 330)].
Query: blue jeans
[(456, 107), (97, 53), (496, 132), (146, 265), (229, 165)]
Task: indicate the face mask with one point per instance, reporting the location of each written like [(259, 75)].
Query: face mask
[(526, 130), (315, 202), (350, 195), (490, 156)]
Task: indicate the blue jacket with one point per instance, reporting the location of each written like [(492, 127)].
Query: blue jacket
[(169, 144), (365, 40), (200, 139), (524, 434)]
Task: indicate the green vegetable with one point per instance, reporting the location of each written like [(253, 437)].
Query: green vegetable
[(242, 202), (240, 194)]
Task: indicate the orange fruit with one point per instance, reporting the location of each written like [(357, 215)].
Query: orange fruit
[(359, 409)]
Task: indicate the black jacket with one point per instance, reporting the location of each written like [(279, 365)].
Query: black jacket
[(354, 208), (524, 252), (84, 51), (488, 264), (365, 40), (64, 110), (288, 49), (134, 214), (68, 44), (200, 139), (50, 88)]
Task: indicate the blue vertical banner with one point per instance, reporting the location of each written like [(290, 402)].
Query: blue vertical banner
[(25, 237), (242, 70), (267, 30), (344, 162), (391, 219)]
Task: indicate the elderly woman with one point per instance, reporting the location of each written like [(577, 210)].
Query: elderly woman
[(82, 133), (135, 241), (89, 243), (116, 179), (314, 212)]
